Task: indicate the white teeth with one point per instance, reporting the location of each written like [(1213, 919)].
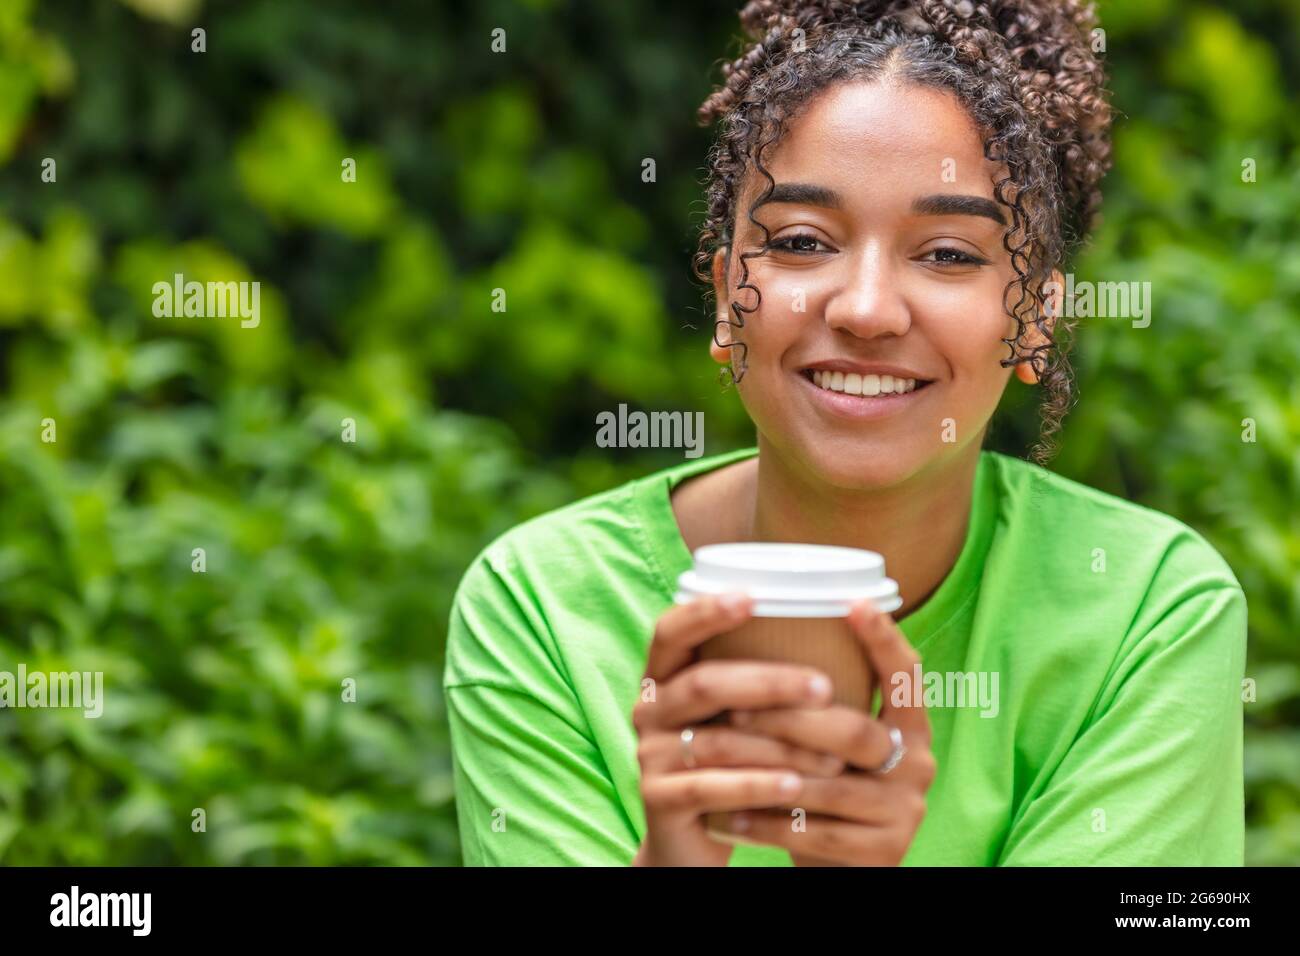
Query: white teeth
[(852, 383)]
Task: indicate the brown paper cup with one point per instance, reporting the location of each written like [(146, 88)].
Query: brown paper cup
[(826, 643)]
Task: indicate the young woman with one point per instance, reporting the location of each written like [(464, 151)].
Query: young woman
[(895, 191)]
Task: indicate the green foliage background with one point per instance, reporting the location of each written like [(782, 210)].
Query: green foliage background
[(328, 560)]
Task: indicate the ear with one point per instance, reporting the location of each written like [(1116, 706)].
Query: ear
[(1054, 290), (722, 327)]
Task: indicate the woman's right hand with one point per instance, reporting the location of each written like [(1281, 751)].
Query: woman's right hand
[(733, 769)]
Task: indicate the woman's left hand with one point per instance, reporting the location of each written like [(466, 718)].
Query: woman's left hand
[(861, 817)]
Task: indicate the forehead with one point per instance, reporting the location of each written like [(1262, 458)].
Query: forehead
[(889, 134)]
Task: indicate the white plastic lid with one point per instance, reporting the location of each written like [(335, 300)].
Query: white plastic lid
[(791, 580)]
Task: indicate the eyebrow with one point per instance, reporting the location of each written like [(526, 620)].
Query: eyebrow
[(951, 204), (803, 194), (940, 204)]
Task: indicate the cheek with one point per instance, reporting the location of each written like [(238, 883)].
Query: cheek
[(966, 324), (785, 301)]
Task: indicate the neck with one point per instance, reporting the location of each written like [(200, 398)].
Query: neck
[(919, 526)]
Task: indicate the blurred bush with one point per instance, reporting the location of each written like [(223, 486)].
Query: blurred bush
[(328, 560)]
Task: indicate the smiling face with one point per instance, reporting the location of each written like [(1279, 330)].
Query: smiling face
[(874, 353)]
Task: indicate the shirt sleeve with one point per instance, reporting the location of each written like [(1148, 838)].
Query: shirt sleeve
[(1155, 778), (531, 785)]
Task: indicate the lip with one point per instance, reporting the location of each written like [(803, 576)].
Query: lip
[(862, 407)]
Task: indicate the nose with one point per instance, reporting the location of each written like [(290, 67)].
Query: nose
[(869, 302)]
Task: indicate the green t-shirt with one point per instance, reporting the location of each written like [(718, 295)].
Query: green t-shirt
[(1117, 634)]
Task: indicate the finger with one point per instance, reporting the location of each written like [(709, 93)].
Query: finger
[(684, 627), (705, 791), (824, 838), (890, 653), (864, 798), (724, 747), (707, 688), (801, 860), (858, 798), (846, 732)]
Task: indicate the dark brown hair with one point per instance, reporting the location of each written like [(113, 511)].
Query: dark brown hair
[(1024, 69)]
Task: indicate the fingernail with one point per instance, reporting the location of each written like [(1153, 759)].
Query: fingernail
[(732, 603), (790, 784), (819, 687), (739, 822)]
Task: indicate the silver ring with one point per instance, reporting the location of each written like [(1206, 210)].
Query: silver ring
[(895, 755), (688, 754)]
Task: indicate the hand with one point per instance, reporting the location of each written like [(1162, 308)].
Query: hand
[(860, 818), (733, 769)]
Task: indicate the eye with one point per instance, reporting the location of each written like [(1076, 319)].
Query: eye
[(949, 256), (799, 243)]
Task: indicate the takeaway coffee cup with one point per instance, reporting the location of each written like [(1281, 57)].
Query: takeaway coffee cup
[(802, 595)]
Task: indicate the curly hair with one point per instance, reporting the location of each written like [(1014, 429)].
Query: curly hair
[(1026, 72)]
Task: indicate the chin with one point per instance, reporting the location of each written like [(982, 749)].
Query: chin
[(861, 463), (870, 469)]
